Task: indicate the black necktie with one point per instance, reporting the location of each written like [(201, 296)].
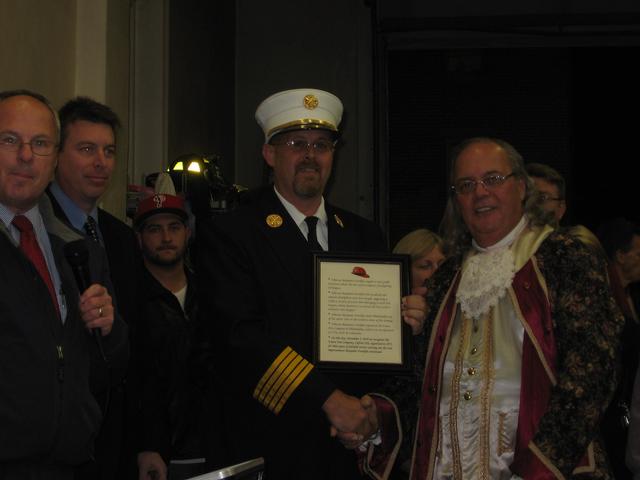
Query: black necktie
[(312, 239), (91, 227)]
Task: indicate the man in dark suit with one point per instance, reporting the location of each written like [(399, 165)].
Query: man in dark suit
[(256, 279), (86, 161), (49, 417)]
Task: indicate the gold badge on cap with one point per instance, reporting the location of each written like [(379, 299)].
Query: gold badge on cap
[(274, 220), (310, 102), (338, 220)]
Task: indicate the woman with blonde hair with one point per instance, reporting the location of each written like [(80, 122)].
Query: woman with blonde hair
[(425, 249)]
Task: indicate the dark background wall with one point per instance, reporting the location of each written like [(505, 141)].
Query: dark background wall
[(571, 108), (556, 79), (284, 44), (202, 79), (226, 56)]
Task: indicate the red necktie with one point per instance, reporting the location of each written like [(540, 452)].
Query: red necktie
[(29, 245)]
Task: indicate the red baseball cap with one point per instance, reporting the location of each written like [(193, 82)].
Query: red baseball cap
[(159, 203)]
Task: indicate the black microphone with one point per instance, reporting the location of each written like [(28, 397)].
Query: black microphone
[(77, 255)]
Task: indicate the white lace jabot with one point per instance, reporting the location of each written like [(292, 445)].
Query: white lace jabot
[(487, 274)]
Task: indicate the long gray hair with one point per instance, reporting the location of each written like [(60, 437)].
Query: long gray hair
[(456, 235)]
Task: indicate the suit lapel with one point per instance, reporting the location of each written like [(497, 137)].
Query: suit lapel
[(341, 237), (105, 231), (112, 244), (286, 240), (54, 206), (57, 209), (64, 270)]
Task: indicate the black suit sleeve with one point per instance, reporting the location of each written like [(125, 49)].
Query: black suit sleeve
[(116, 343)]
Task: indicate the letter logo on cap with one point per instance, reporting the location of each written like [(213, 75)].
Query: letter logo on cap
[(158, 200), (310, 102)]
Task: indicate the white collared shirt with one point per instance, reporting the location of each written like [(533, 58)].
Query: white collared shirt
[(322, 231)]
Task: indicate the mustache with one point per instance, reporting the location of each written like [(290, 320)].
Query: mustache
[(307, 164)]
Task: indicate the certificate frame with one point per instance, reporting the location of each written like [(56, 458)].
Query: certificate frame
[(357, 321)]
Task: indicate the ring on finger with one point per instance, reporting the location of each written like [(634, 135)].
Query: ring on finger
[(99, 311)]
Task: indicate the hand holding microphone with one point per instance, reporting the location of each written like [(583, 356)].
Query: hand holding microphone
[(96, 309), (96, 306)]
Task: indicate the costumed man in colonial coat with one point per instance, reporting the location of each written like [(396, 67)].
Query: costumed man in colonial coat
[(520, 345)]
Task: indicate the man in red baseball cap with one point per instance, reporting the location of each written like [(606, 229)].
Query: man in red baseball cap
[(171, 412)]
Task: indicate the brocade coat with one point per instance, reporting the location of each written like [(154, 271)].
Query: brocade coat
[(566, 384)]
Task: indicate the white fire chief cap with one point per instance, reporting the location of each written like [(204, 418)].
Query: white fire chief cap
[(299, 109)]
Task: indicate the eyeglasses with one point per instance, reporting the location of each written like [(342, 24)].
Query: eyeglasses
[(39, 146), (545, 197), (300, 145), (466, 186)]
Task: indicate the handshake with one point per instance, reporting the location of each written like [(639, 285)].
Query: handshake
[(353, 421)]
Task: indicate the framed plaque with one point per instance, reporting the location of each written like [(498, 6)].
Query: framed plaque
[(358, 321)]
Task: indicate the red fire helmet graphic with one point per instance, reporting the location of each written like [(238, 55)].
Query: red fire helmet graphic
[(359, 271)]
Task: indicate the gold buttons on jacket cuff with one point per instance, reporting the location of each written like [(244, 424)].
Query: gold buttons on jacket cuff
[(471, 371), (467, 395)]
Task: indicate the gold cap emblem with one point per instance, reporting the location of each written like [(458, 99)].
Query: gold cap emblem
[(274, 220), (310, 102), (338, 220)]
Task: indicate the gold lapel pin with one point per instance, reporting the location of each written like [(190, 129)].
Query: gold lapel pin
[(338, 220), (274, 220)]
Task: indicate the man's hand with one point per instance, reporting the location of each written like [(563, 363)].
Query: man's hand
[(348, 416), (96, 309), (151, 466), (414, 309), (352, 440)]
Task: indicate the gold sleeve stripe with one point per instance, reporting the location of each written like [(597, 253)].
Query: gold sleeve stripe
[(267, 375), (281, 379), (292, 387), (286, 379)]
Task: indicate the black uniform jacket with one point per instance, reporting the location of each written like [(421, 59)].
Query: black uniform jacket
[(256, 295)]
